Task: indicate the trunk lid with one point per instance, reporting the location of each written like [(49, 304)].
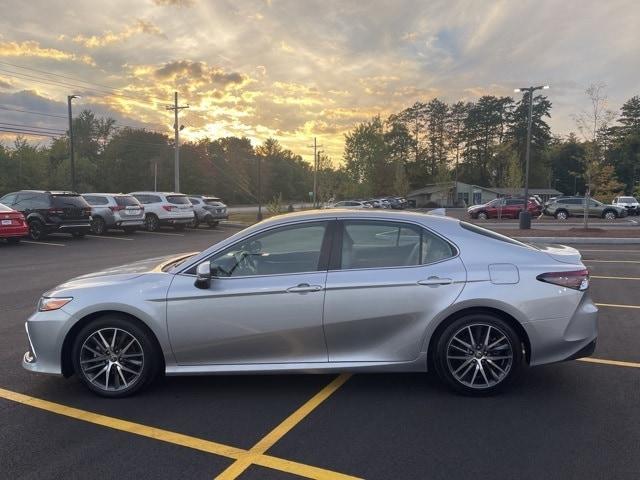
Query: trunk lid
[(562, 253)]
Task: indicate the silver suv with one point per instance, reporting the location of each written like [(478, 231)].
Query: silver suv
[(630, 203), (209, 210), (114, 210), (165, 208)]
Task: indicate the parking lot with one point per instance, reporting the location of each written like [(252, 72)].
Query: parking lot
[(576, 419)]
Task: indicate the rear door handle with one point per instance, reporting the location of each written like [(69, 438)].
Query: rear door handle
[(304, 287), (434, 281)]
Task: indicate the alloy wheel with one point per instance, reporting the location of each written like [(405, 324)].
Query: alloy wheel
[(479, 356), (610, 216), (111, 359), (35, 230)]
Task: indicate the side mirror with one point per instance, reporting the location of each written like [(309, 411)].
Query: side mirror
[(203, 275)]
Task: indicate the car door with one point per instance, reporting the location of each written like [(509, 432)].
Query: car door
[(386, 282), (264, 304)]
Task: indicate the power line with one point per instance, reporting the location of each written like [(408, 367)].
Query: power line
[(2, 107), (76, 79), (28, 132), (32, 127)]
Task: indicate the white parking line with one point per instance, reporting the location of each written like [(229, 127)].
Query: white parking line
[(611, 261), (162, 233), (611, 251), (110, 238), (613, 278), (44, 243)]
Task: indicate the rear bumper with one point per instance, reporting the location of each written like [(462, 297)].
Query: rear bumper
[(176, 221), (558, 339), (14, 232)]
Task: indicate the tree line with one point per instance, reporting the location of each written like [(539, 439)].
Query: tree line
[(481, 142)]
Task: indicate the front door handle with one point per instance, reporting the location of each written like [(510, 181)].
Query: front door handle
[(304, 287), (434, 281)]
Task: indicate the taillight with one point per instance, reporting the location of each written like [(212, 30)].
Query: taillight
[(576, 279), (169, 208)]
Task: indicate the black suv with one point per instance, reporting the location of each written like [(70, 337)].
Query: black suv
[(48, 212)]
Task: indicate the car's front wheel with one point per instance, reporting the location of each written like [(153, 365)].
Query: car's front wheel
[(483, 216), (114, 357), (478, 354), (561, 215), (151, 223)]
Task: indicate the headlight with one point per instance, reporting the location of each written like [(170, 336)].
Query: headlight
[(47, 304)]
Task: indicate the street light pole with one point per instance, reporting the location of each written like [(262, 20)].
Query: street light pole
[(525, 215), (71, 152)]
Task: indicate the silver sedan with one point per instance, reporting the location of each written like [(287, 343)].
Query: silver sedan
[(324, 291)]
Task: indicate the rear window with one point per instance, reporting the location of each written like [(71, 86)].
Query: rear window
[(126, 201), (147, 198), (66, 201), (627, 200), (213, 201), (496, 236), (96, 200), (178, 200)]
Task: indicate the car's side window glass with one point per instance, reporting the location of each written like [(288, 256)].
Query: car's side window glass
[(8, 200), (31, 201), (283, 250), (376, 244), (434, 248), (96, 200)]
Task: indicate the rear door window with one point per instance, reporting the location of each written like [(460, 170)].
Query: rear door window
[(32, 201), (96, 200)]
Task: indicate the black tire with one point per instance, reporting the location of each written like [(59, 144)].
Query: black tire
[(195, 223), (179, 227), (78, 234), (609, 214), (560, 213), (447, 367), (151, 222), (149, 367), (13, 240), (129, 230), (36, 230), (98, 226), (212, 223)]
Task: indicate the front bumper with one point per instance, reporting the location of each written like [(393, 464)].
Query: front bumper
[(45, 334)]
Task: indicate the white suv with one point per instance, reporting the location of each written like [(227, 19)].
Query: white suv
[(165, 208), (630, 203)]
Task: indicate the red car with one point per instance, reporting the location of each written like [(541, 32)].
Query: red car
[(503, 208), (12, 224)]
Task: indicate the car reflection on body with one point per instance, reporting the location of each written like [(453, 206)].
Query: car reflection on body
[(324, 291)]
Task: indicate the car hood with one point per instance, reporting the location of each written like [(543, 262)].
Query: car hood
[(122, 273), (562, 253)]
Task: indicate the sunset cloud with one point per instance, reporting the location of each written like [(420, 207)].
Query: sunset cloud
[(31, 48), (109, 37)]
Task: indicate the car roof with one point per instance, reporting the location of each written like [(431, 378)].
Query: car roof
[(111, 194), (156, 193), (52, 192)]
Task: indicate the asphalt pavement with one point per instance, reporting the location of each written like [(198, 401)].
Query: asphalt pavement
[(573, 420)]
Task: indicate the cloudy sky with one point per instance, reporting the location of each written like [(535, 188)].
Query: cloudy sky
[(295, 69)]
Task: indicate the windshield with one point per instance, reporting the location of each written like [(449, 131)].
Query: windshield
[(127, 201), (66, 201), (626, 200), (178, 200)]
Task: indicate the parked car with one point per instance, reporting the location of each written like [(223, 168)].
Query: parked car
[(51, 211), (13, 225), (349, 204), (565, 207), (165, 208), (630, 203), (207, 209), (504, 208), (321, 281), (114, 210)]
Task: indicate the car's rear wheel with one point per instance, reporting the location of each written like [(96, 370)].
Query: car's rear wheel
[(483, 216), (478, 354), (114, 357), (98, 226), (151, 222), (195, 223), (609, 215), (561, 215), (36, 230)]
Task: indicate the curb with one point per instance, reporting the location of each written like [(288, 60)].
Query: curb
[(581, 240)]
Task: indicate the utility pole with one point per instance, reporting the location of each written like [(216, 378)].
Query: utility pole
[(315, 170), (71, 152), (176, 148), (259, 216), (525, 215)]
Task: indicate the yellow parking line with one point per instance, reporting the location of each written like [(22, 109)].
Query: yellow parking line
[(44, 243), (611, 261), (613, 278), (174, 438), (616, 306), (616, 363), (240, 465)]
